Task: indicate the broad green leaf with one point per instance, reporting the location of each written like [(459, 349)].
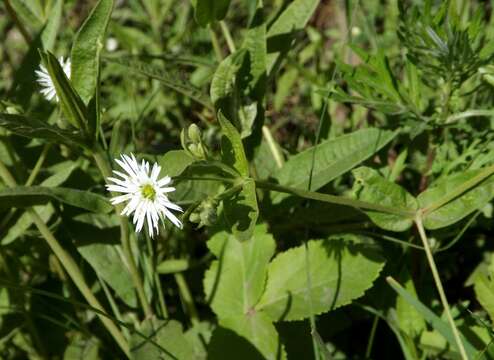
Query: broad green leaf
[(174, 162), (168, 79), (339, 271), (208, 11), (459, 207), (291, 21), (235, 282), (50, 30), (160, 339), (199, 336), (484, 292), (85, 55), (22, 196), (227, 90), (72, 105), (258, 328), (255, 44), (435, 321), (33, 128), (332, 158), (26, 13), (241, 211), (284, 87), (371, 187), (82, 348), (108, 262), (232, 149)]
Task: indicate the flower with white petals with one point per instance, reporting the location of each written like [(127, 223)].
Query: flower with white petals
[(44, 79), (145, 194)]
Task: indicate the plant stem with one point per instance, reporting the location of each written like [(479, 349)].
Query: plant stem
[(372, 335), (105, 170), (439, 286), (186, 297), (216, 44), (341, 200), (38, 165), (70, 266), (277, 155), (228, 37)]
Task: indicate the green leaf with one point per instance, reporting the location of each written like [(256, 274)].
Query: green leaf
[(435, 321), (175, 162), (107, 261), (33, 128), (484, 290), (292, 20), (259, 330), (459, 207), (332, 158), (72, 105), (234, 283), (51, 28), (85, 55), (339, 271), (82, 347), (23, 196), (232, 149), (160, 339), (207, 11), (241, 211), (371, 187)]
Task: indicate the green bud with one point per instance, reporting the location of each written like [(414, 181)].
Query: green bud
[(194, 134)]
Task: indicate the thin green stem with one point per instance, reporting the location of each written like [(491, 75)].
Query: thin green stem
[(216, 44), (113, 304), (341, 200), (228, 37), (105, 170), (70, 266), (38, 165), (372, 335), (277, 155), (439, 286), (187, 297)]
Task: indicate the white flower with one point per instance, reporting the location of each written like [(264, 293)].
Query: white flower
[(44, 79), (144, 193)]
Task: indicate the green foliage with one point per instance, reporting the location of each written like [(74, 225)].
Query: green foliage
[(333, 268), (315, 148), (370, 186), (207, 11), (156, 339)]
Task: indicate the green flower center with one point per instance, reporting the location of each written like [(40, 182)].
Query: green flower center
[(148, 192)]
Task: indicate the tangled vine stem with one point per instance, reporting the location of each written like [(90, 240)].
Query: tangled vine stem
[(439, 286)]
